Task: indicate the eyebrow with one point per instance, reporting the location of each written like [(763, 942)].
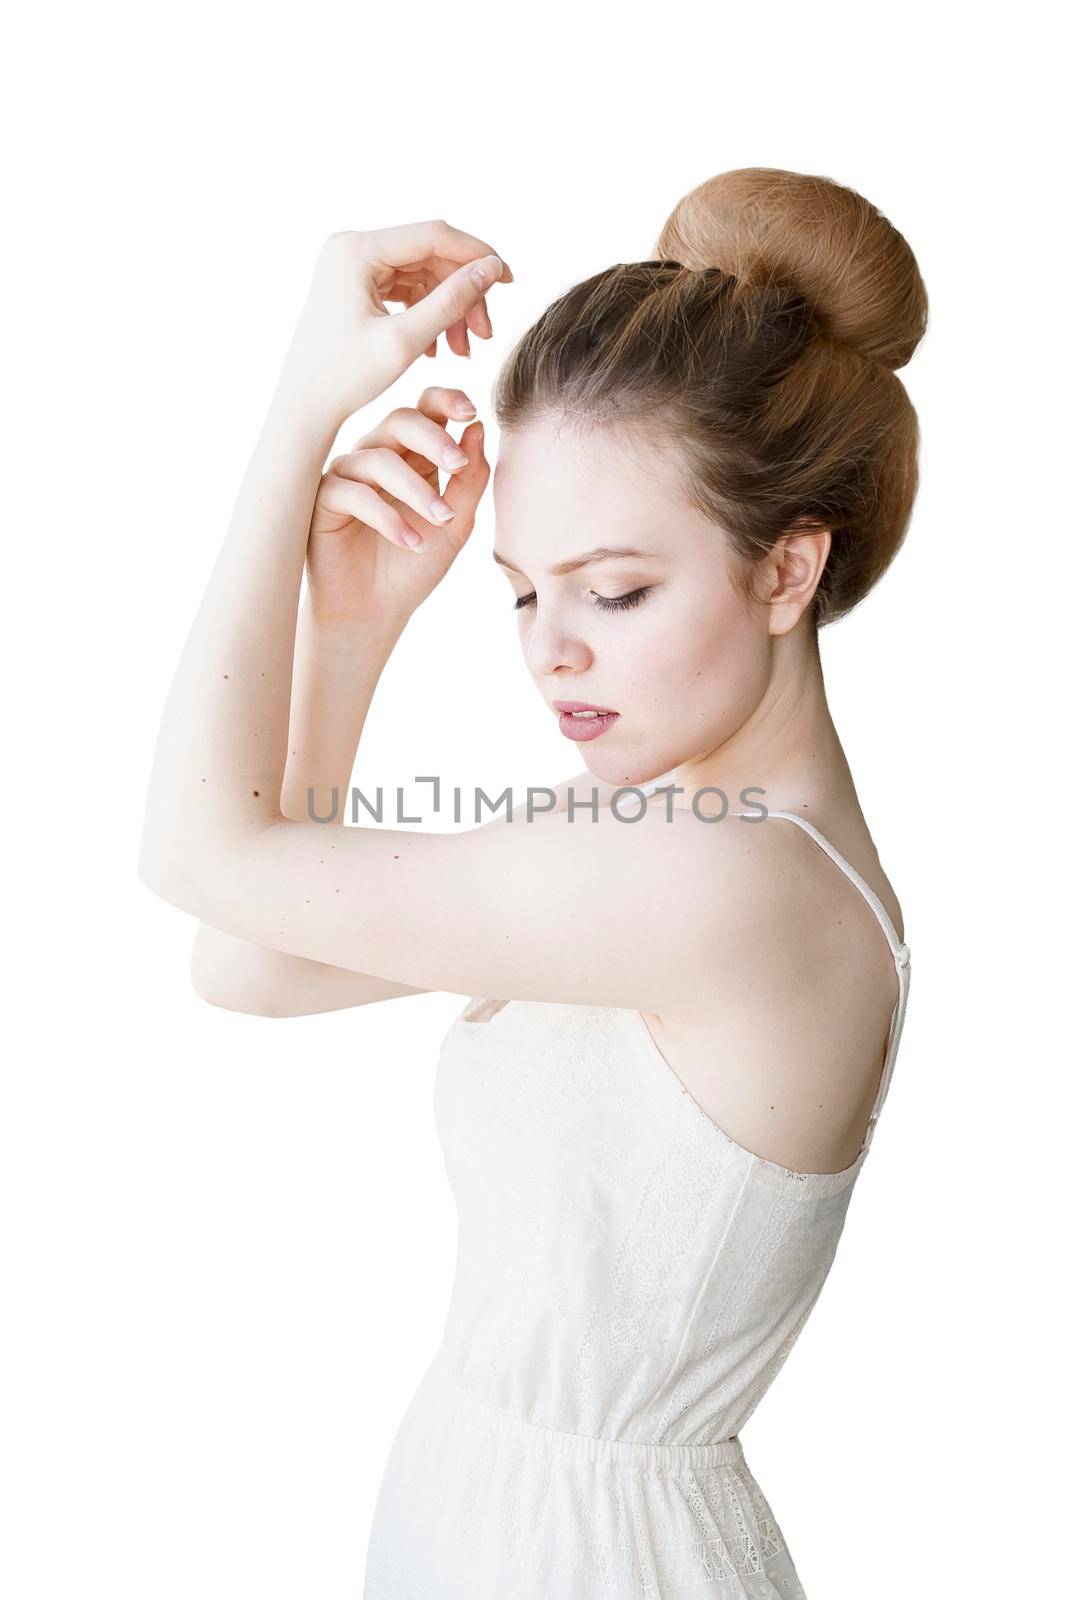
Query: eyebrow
[(604, 552)]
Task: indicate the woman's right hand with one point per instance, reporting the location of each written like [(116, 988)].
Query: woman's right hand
[(360, 571)]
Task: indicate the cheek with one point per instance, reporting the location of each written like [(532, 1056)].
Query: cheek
[(698, 663)]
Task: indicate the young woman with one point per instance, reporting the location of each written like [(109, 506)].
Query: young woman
[(687, 995)]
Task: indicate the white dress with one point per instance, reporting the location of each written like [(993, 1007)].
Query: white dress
[(628, 1282)]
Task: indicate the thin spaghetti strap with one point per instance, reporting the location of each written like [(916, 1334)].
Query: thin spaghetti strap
[(862, 885), (901, 957), (901, 953)]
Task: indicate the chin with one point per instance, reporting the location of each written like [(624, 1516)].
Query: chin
[(618, 771)]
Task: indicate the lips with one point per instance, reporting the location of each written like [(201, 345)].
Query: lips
[(582, 705), (586, 723)]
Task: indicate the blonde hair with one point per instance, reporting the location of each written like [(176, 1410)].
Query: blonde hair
[(760, 344)]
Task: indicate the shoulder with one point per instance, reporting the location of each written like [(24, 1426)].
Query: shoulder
[(760, 861), (791, 924), (644, 900), (715, 893)]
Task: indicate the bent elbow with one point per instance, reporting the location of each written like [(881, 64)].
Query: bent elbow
[(237, 1000), (168, 881)]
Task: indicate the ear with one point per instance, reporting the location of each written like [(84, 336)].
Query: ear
[(790, 573)]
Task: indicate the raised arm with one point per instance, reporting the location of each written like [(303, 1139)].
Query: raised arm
[(335, 673), (549, 912), (355, 611)]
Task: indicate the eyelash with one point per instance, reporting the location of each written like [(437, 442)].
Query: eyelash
[(624, 602)]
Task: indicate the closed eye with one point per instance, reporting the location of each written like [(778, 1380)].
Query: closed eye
[(622, 602)]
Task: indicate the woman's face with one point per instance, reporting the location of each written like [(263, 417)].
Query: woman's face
[(684, 663)]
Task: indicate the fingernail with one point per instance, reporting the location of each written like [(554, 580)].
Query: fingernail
[(442, 511), (465, 409), (453, 457), (412, 539), (487, 271)]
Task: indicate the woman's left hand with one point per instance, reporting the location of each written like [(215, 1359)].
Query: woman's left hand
[(348, 349), (360, 571)]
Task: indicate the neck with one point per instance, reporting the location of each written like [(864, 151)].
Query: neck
[(785, 754)]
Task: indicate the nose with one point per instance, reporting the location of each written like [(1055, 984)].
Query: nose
[(550, 646)]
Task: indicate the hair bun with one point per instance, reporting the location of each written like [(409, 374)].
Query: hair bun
[(822, 239)]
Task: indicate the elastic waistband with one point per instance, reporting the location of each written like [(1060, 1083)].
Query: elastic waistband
[(585, 1447)]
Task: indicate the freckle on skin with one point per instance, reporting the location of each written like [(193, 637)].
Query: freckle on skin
[(255, 794)]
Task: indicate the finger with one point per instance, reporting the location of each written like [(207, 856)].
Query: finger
[(418, 432), (457, 340), (445, 404), (413, 242), (449, 303), (408, 291), (466, 487), (410, 287), (430, 470), (360, 502), (441, 403), (476, 319), (384, 469), (407, 288), (413, 278), (464, 491)]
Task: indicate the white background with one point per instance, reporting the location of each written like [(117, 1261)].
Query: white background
[(227, 1242)]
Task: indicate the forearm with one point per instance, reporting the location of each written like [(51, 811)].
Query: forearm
[(220, 758), (335, 675), (221, 753)]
